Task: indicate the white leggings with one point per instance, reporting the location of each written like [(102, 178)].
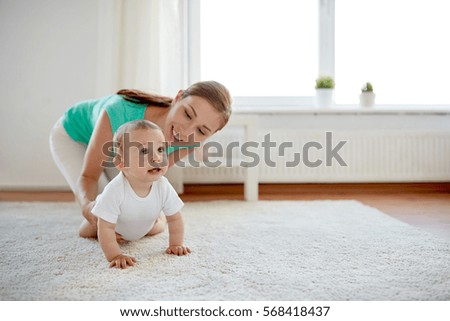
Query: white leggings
[(69, 156)]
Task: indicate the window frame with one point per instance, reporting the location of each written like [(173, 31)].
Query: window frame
[(326, 64), (326, 57)]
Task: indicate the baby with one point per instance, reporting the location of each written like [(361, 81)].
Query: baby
[(131, 203)]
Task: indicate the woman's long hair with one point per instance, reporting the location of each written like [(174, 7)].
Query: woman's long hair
[(215, 93), (142, 97)]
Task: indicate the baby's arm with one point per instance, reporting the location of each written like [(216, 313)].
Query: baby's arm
[(176, 235), (108, 242)]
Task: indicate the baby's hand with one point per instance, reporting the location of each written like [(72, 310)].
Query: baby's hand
[(178, 250), (122, 261)]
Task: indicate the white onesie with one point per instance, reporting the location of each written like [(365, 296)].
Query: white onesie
[(133, 215)]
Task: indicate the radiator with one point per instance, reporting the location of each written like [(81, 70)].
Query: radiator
[(369, 156)]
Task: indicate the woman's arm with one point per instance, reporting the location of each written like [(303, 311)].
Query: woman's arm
[(179, 154), (87, 185)]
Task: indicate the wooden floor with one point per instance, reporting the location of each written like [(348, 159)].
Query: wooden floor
[(425, 205)]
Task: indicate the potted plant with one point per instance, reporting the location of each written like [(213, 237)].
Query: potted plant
[(367, 97), (324, 92)]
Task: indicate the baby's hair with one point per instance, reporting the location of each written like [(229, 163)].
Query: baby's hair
[(130, 127)]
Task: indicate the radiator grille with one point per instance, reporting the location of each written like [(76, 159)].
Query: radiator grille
[(371, 156)]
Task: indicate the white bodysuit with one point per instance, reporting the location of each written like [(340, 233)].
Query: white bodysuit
[(133, 215)]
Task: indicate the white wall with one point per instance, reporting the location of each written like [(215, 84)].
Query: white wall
[(47, 62)]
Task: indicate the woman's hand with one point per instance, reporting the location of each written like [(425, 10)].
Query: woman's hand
[(87, 213), (122, 261), (179, 250)]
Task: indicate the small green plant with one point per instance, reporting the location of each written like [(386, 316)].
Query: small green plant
[(325, 82), (367, 87)]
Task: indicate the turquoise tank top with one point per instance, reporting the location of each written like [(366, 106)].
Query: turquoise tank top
[(79, 120)]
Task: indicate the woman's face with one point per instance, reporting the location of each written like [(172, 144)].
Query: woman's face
[(191, 120)]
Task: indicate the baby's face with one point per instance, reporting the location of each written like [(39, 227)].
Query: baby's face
[(144, 155)]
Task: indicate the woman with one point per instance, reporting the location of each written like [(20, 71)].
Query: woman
[(79, 138)]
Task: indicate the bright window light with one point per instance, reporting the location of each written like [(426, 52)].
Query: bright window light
[(260, 47), (400, 46)]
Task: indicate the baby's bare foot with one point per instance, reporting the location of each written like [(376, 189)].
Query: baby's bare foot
[(159, 226)]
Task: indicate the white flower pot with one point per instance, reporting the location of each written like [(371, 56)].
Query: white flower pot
[(324, 98), (367, 99)]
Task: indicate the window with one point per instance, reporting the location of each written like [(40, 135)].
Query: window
[(272, 51), (260, 47), (400, 46)]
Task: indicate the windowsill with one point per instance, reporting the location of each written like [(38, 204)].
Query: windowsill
[(347, 109)]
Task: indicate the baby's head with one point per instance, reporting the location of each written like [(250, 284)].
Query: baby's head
[(140, 150)]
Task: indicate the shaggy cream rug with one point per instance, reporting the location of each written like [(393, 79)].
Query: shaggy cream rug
[(266, 250)]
